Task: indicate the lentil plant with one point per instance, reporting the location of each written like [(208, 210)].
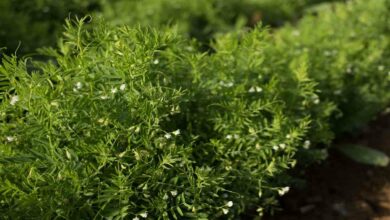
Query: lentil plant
[(131, 123)]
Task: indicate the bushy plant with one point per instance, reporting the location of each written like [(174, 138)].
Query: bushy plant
[(124, 122), (348, 50), (132, 123), (255, 120), (87, 135)]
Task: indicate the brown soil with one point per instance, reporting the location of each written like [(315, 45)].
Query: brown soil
[(343, 189)]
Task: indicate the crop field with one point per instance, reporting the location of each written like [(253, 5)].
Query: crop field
[(201, 109)]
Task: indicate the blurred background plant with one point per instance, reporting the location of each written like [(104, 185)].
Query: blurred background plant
[(27, 25), (350, 60)]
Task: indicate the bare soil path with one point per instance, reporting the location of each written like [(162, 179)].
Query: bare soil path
[(343, 189)]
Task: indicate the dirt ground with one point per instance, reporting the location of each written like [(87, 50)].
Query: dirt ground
[(343, 189)]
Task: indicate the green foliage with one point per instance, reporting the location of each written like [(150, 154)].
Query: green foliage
[(85, 135), (27, 25), (122, 122), (203, 19), (365, 155), (348, 47)]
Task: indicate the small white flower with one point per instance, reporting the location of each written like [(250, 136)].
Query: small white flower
[(260, 210), (316, 101), (174, 193), (114, 90), (229, 136), (255, 89), (103, 97), (144, 214), (225, 211), (282, 146), (10, 138), (381, 68), (14, 100), (293, 163), (168, 136), (283, 190), (275, 147), (288, 136), (165, 197), (229, 84), (236, 136), (229, 204), (122, 87), (136, 218), (156, 61), (100, 120), (306, 144), (177, 132), (79, 85)]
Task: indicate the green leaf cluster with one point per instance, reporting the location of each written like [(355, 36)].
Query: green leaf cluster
[(348, 47)]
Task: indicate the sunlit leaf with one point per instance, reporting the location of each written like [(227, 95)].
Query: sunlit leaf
[(365, 155)]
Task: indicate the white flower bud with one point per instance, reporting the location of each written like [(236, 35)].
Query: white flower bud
[(10, 138), (14, 100), (144, 214), (283, 190), (306, 144), (174, 193), (168, 136), (177, 132)]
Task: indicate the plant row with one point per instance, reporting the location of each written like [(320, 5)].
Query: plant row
[(27, 25), (132, 123)]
